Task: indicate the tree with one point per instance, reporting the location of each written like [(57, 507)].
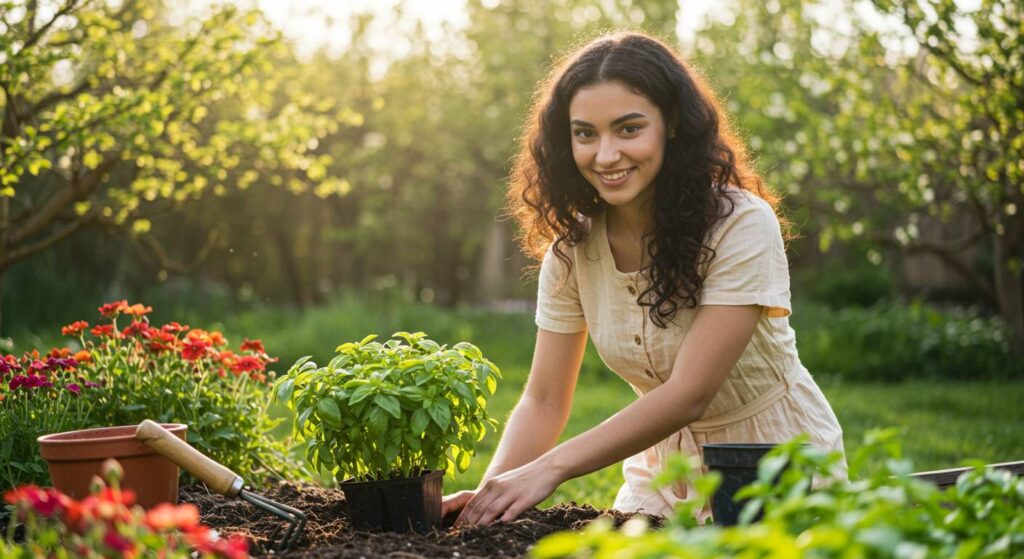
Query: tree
[(880, 129), (108, 117)]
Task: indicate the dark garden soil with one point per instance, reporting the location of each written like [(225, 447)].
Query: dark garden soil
[(328, 533)]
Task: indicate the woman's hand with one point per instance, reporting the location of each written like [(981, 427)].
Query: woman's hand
[(455, 502), (506, 496)]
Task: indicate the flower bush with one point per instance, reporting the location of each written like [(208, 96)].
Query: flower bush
[(888, 514), (124, 369), (106, 524), (392, 409)]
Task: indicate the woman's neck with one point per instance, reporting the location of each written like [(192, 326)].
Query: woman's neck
[(625, 228)]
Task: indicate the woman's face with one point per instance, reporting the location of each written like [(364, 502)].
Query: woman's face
[(618, 141)]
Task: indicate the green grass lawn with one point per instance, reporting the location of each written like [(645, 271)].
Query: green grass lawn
[(943, 423)]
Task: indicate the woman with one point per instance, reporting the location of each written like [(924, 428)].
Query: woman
[(659, 240)]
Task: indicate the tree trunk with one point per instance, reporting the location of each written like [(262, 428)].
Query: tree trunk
[(1009, 289)]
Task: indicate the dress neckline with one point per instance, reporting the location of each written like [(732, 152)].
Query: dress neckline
[(605, 248)]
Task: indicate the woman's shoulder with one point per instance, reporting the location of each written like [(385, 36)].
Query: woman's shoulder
[(745, 210)]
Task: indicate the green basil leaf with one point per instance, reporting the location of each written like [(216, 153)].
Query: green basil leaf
[(419, 421), (328, 410), (440, 413), (389, 404)]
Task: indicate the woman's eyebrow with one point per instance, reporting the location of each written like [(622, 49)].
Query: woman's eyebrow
[(620, 120)]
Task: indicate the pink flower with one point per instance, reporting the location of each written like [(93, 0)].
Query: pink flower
[(118, 543), (73, 388)]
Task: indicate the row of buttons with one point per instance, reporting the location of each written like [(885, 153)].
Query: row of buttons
[(636, 339)]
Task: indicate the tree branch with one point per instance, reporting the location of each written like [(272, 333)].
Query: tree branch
[(55, 205), (61, 233), (946, 252), (157, 251), (36, 35)]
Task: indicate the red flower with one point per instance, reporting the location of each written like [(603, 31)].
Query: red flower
[(138, 309), (234, 547), (75, 328), (45, 502), (173, 328), (162, 341), (118, 543), (111, 310), (37, 365), (138, 327), (194, 349), (9, 363), (105, 331), (253, 345), (166, 516), (248, 364)]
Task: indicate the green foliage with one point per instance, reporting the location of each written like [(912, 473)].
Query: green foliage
[(891, 341), (845, 282), (886, 514), (125, 373), (392, 409), (903, 133)]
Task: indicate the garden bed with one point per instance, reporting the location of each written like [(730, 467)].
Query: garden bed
[(328, 532)]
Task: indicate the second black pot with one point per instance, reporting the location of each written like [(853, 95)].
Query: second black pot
[(737, 462), (396, 505)]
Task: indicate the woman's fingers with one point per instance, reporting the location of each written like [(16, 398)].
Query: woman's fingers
[(484, 511), (455, 502)]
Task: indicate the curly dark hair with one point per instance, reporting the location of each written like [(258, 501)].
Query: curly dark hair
[(549, 197)]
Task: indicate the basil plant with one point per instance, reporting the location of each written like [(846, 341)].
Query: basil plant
[(393, 409)]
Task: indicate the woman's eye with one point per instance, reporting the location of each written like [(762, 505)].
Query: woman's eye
[(631, 129), (583, 133)]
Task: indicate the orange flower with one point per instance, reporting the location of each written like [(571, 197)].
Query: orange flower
[(166, 516), (75, 328), (83, 356), (138, 309), (59, 353)]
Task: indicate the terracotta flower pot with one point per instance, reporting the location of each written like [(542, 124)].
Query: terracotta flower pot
[(75, 456)]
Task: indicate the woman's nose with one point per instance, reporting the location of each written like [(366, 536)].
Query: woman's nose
[(607, 153)]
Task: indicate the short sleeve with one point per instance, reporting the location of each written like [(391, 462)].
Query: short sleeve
[(749, 266), (558, 298)]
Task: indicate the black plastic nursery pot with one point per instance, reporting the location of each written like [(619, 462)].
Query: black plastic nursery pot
[(737, 463), (396, 505)]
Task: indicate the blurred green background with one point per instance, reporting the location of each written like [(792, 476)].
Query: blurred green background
[(311, 186)]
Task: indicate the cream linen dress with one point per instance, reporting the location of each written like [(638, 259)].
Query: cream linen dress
[(769, 397)]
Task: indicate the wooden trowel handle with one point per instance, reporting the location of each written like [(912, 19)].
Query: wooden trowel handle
[(217, 477)]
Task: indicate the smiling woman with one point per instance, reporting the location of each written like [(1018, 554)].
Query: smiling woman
[(659, 241)]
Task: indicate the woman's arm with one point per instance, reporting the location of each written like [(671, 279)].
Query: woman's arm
[(542, 411), (713, 344)]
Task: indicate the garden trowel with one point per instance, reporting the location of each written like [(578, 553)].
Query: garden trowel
[(218, 477)]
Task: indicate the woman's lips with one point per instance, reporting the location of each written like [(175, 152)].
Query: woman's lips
[(615, 178)]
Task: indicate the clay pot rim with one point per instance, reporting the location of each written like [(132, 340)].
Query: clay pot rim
[(74, 438)]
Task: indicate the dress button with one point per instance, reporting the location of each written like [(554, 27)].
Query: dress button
[(631, 289), (636, 340), (648, 373)]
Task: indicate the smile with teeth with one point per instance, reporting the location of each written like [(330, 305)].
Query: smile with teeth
[(616, 175)]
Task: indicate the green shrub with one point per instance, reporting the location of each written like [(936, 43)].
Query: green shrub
[(891, 341), (847, 282), (885, 515), (125, 373)]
